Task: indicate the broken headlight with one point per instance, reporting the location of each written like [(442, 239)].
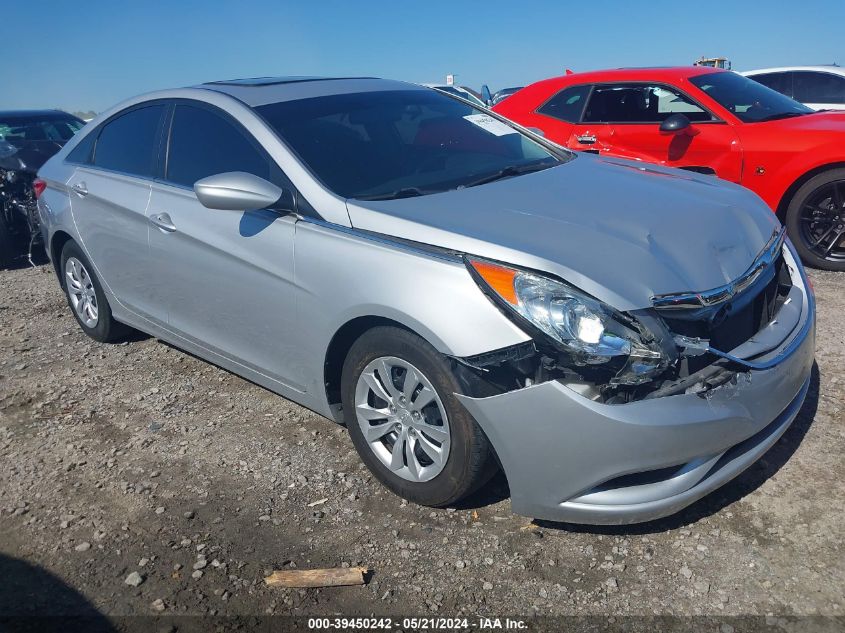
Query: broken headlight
[(588, 331)]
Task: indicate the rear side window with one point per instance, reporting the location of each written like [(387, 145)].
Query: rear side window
[(127, 143), (780, 82), (203, 143), (567, 105), (814, 87)]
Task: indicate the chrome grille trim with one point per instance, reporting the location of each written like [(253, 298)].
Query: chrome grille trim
[(721, 294)]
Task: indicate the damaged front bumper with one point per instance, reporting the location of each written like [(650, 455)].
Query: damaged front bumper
[(569, 458)]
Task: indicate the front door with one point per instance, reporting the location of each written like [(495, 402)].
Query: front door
[(625, 120), (227, 276)]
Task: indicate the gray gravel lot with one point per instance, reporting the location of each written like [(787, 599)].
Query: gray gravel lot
[(149, 481)]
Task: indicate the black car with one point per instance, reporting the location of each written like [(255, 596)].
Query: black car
[(27, 139)]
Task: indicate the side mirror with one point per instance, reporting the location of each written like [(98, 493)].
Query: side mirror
[(486, 97), (237, 191), (675, 123)]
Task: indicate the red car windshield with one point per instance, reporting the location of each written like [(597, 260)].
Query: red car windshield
[(749, 101)]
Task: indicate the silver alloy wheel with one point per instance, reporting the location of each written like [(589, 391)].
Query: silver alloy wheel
[(402, 419), (81, 291)]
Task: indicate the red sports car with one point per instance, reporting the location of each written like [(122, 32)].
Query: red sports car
[(710, 121)]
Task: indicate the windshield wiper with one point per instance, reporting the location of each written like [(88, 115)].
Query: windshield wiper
[(507, 172), (781, 115), (405, 192)]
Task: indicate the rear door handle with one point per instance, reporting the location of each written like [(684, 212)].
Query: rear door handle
[(80, 189), (163, 222), (586, 139)]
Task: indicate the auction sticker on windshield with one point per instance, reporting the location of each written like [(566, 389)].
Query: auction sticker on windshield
[(489, 124)]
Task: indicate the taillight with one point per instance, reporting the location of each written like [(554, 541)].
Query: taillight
[(38, 186)]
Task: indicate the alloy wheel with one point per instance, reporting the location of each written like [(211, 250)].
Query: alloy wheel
[(402, 419), (822, 221), (80, 290)]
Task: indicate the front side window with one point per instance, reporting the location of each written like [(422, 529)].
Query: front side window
[(640, 103), (566, 105), (203, 144), (404, 142), (749, 101), (127, 143), (814, 87), (780, 82)]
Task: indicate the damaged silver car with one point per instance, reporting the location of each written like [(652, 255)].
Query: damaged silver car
[(620, 339)]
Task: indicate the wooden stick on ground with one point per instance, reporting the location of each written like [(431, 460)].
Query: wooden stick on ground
[(317, 577)]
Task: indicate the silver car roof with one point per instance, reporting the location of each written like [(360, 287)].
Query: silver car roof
[(260, 91)]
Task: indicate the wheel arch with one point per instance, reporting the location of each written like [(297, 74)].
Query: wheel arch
[(340, 345), (786, 198), (57, 243)]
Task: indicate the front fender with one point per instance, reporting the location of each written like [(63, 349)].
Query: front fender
[(342, 274)]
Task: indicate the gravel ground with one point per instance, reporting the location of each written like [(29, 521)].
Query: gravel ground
[(146, 481)]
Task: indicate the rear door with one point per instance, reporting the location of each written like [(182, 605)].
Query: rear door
[(110, 191), (819, 90), (227, 276), (626, 118)]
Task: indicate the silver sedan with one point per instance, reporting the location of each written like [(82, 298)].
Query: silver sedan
[(620, 339)]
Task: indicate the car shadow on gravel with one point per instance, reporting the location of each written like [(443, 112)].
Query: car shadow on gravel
[(746, 483), (34, 600)]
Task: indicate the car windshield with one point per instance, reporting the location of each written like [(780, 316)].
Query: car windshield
[(750, 101), (18, 129), (391, 144)]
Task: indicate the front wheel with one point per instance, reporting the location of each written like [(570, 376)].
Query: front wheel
[(815, 220), (405, 422)]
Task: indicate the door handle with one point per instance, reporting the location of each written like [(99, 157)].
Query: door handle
[(163, 222), (586, 139), (80, 189)]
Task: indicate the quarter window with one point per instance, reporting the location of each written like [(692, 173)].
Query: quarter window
[(640, 103), (127, 143), (567, 105), (203, 143), (814, 87)]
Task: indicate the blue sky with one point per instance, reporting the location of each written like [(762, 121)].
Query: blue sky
[(94, 54)]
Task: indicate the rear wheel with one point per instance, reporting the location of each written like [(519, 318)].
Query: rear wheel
[(86, 298), (815, 220), (405, 422)]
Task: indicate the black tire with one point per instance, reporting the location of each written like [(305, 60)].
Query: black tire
[(106, 330), (6, 243), (470, 463), (799, 231)]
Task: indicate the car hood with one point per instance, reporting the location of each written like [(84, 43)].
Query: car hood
[(823, 122), (619, 230)]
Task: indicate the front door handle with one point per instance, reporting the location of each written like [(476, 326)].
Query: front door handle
[(80, 189), (586, 139), (163, 222)]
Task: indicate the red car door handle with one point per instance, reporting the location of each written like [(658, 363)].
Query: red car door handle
[(586, 139)]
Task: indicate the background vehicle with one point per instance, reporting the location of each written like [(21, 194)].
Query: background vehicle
[(713, 62), (451, 288), (498, 96), (27, 139), (818, 87), (708, 121), (459, 91)]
